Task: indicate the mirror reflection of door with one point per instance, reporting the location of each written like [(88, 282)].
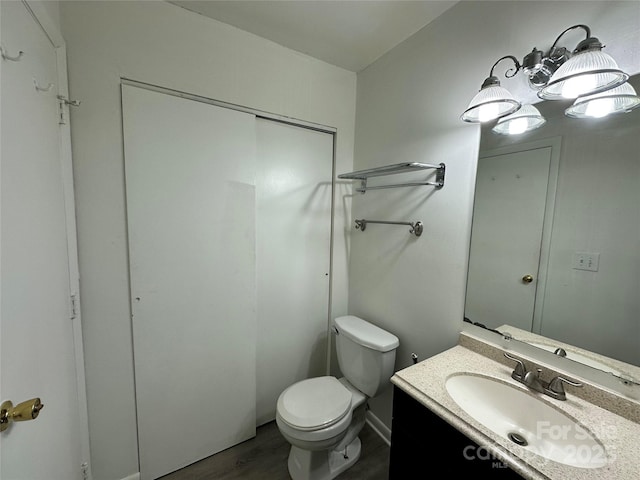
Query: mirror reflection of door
[(506, 239)]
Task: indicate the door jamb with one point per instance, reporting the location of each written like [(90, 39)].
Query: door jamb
[(42, 17)]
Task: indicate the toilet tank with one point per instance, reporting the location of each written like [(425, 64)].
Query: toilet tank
[(366, 353)]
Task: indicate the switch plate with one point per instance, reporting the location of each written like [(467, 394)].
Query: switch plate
[(586, 261)]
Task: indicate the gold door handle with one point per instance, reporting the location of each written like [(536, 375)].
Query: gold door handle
[(527, 278), (28, 410)]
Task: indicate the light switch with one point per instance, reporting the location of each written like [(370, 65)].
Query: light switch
[(586, 261)]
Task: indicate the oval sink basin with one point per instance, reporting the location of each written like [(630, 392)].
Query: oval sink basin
[(575, 356), (518, 416)]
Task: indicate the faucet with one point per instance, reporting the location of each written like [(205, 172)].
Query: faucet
[(554, 388), (561, 352), (532, 380)]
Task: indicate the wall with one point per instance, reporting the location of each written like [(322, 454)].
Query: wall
[(160, 43), (408, 108), (596, 210), (52, 7)]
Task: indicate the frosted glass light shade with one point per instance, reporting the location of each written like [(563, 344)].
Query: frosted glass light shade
[(526, 119), (585, 73), (616, 100), (489, 103)]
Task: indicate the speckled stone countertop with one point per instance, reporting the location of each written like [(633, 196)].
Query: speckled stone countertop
[(425, 382)]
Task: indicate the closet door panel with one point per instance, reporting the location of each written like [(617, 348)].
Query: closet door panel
[(293, 240), (190, 184)]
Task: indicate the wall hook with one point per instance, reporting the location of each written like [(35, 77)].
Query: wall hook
[(6, 56), (42, 89), (66, 101)]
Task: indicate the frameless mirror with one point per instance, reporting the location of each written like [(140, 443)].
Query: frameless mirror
[(555, 243)]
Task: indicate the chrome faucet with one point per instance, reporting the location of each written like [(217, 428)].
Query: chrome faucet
[(532, 380), (554, 388)]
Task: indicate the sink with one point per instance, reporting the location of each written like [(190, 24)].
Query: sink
[(571, 355), (527, 421)]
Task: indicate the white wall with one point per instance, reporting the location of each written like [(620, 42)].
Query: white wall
[(52, 8), (408, 109), (160, 43)]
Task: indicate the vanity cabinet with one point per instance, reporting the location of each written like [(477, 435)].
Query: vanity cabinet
[(422, 442)]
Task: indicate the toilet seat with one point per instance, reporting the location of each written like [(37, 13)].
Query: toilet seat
[(314, 404)]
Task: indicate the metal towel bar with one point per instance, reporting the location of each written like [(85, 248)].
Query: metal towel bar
[(416, 228), (363, 175)]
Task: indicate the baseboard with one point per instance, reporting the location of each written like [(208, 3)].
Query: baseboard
[(379, 427), (135, 476)]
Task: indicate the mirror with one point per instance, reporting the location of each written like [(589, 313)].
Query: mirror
[(555, 243)]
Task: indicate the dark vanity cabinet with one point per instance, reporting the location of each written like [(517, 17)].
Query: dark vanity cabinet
[(422, 444)]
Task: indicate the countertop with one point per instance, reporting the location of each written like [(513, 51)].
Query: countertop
[(425, 382)]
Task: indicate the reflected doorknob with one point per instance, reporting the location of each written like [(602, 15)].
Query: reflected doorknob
[(527, 278), (27, 410)]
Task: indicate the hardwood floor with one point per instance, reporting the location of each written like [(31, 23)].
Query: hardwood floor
[(265, 458)]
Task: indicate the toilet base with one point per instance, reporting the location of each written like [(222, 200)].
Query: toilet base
[(322, 465), (337, 461)]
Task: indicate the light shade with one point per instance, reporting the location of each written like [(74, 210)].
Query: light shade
[(616, 100), (587, 72), (491, 102), (526, 119)]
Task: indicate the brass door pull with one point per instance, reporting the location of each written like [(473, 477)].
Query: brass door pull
[(527, 278), (28, 410)]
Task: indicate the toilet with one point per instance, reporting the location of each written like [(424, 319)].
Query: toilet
[(321, 417)]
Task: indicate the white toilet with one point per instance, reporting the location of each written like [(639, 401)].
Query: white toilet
[(321, 417)]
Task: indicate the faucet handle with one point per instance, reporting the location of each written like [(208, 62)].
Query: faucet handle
[(556, 387), (520, 370)]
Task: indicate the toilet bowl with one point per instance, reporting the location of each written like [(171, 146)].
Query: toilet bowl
[(321, 417), (314, 413)]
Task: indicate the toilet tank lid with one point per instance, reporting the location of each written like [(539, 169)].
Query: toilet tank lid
[(366, 334)]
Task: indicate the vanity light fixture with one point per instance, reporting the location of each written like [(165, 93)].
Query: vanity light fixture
[(492, 101), (557, 75), (527, 118), (589, 70), (621, 99)]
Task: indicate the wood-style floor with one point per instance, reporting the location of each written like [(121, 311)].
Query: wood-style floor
[(264, 457)]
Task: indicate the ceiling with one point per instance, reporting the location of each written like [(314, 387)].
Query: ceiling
[(350, 34)]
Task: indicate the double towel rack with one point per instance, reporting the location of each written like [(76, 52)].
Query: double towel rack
[(416, 228), (364, 175)]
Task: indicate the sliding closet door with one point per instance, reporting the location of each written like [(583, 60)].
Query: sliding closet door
[(293, 239), (190, 176)]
